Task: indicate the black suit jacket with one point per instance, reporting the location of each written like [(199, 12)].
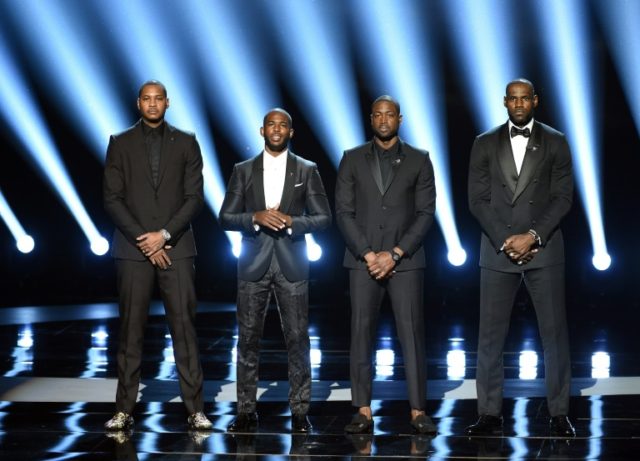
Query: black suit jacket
[(137, 206), (376, 216), (505, 203), (303, 198)]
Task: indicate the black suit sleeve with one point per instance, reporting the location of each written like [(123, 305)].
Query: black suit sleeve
[(114, 191), (355, 238), (424, 209), (318, 212), (193, 193), (233, 216), (479, 190), (561, 190)]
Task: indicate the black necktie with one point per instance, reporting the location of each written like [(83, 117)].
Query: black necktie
[(517, 131)]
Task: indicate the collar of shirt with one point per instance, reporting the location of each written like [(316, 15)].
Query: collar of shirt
[(269, 162), (393, 150), (147, 130)]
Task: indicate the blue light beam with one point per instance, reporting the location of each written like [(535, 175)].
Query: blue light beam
[(396, 45), (244, 86), (620, 21), (322, 76), (60, 40), (483, 36), (24, 242), (565, 35), (21, 113)]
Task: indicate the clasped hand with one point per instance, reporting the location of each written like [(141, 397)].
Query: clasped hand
[(152, 245), (273, 219), (520, 248), (380, 265)]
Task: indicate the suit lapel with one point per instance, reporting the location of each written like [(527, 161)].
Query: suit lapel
[(396, 161), (289, 182), (257, 182), (505, 159), (374, 167), (532, 159)]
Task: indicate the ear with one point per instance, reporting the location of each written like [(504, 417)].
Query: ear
[(504, 101), (399, 119), (262, 131), (535, 100), (138, 103), (168, 103), (290, 133)]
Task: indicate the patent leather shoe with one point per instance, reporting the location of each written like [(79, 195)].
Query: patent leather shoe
[(422, 424), (560, 426), (359, 424), (244, 422), (300, 423), (486, 425)]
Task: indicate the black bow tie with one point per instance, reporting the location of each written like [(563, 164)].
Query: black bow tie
[(517, 131)]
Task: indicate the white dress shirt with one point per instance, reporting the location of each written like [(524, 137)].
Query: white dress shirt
[(519, 145), (275, 169)]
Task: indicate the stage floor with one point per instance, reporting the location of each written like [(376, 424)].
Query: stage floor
[(57, 386)]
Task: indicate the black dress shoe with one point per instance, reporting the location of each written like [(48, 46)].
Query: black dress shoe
[(360, 424), (560, 426), (300, 423), (244, 422), (422, 424), (486, 425)]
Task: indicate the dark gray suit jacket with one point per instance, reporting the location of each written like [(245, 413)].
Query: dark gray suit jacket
[(303, 198), (376, 216), (137, 206), (505, 203)]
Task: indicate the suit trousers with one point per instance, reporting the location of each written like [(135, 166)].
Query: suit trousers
[(497, 295), (135, 286), (405, 290), (292, 300)]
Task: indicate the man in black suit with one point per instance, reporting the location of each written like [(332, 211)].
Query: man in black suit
[(385, 202), (152, 189), (274, 199), (520, 188)]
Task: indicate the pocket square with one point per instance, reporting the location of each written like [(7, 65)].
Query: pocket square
[(298, 185)]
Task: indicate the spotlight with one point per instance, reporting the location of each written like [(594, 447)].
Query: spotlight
[(457, 257), (601, 261), (25, 244), (99, 246), (314, 252)]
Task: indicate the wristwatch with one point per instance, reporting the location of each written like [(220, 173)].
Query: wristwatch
[(395, 256), (165, 234)]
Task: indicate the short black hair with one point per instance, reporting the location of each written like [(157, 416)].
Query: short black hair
[(519, 80), (153, 82), (281, 111), (386, 97)]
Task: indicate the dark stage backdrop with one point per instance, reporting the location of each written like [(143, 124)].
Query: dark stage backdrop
[(63, 270)]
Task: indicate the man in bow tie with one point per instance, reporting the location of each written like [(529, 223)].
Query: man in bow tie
[(385, 202), (274, 199), (520, 189)]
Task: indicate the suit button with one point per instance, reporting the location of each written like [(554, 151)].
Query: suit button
[(530, 202), (384, 207), (381, 226), (509, 226)]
